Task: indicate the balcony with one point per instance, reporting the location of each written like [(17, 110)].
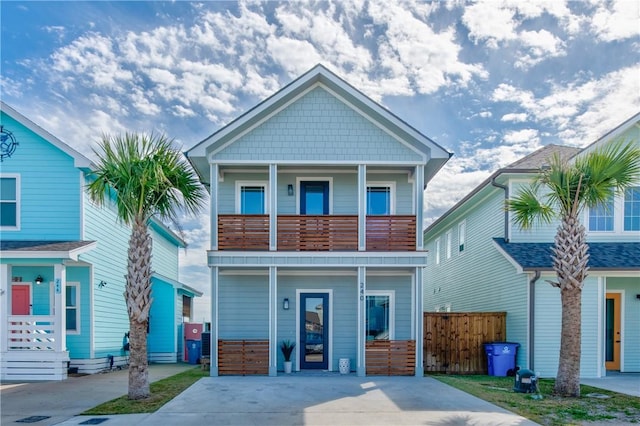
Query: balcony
[(316, 233)]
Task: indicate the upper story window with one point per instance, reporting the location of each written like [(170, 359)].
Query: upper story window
[(72, 299), (632, 209), (251, 197), (601, 217), (438, 251), (9, 202), (448, 244), (380, 198), (462, 230)]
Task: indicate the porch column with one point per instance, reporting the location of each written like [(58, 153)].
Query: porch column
[(362, 207), (419, 304), (213, 207), (419, 182), (215, 333), (361, 369), (5, 294), (59, 299), (273, 207), (273, 320)]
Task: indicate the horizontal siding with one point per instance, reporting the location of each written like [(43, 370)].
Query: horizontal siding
[(541, 232), (227, 189), (49, 183), (317, 127), (244, 307), (631, 320), (164, 256), (479, 279)]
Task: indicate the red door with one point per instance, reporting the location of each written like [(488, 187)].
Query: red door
[(20, 298)]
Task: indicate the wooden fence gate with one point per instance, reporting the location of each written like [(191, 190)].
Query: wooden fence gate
[(453, 341)]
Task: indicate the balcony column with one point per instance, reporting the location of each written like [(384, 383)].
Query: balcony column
[(59, 299), (361, 366), (213, 206), (5, 294), (419, 186), (419, 321), (215, 333), (362, 207), (273, 207), (273, 321)]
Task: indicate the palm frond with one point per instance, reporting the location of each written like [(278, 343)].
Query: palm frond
[(527, 208)]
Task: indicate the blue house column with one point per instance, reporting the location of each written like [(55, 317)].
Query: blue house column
[(361, 368), (273, 320), (419, 304), (5, 294)]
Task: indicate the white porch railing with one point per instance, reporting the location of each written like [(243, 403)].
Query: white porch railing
[(33, 333)]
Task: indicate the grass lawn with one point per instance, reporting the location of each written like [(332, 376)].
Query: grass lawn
[(162, 392), (550, 410)]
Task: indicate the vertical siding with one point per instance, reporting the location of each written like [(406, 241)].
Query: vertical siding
[(548, 314), (402, 288), (161, 337), (49, 187), (630, 320), (479, 279), (243, 301)]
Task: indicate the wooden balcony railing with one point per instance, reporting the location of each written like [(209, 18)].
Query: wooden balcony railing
[(243, 357), (390, 357), (316, 233), (243, 232), (391, 233)]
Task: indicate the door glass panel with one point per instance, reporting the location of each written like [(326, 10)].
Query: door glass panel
[(252, 200), (610, 323), (378, 200), (314, 198), (314, 330)]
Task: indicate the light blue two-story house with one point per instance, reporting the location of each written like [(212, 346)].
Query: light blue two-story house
[(316, 212), (481, 262), (63, 266)]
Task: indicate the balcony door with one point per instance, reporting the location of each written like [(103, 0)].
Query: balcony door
[(314, 330), (314, 197)]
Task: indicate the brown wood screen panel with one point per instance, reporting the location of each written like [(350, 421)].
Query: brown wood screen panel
[(391, 233), (391, 357), (454, 341), (317, 233), (243, 232), (243, 357)]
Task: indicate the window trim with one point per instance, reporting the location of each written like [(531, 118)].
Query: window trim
[(462, 236), (392, 308), (242, 183), (78, 328), (448, 242), (612, 214), (18, 200), (618, 218), (392, 194), (437, 250), (624, 208)]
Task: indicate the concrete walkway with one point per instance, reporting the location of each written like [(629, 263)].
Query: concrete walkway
[(321, 400), (627, 383)]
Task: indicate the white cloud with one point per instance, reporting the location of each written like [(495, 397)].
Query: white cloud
[(524, 136), (516, 118), (616, 20)]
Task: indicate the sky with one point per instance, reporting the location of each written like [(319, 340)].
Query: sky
[(490, 81)]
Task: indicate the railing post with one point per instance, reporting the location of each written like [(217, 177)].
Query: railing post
[(5, 284), (60, 290)]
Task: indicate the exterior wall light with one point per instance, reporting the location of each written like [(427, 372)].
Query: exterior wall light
[(290, 190), (39, 279), (285, 304)]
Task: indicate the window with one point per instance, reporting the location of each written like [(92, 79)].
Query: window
[(380, 315), (632, 209), (380, 198), (9, 202), (251, 197), (438, 251), (448, 244), (601, 216), (462, 230), (72, 300)]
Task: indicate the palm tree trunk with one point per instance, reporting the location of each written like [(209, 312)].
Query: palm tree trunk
[(570, 259), (138, 299)]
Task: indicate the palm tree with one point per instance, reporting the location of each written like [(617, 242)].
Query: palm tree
[(562, 191), (145, 177)]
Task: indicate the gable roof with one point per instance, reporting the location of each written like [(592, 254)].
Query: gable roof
[(79, 160), (45, 249), (603, 256), (436, 154)]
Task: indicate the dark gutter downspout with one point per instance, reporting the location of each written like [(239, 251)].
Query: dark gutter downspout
[(506, 212), (532, 314)]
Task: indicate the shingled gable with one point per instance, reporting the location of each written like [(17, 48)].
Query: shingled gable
[(432, 154)]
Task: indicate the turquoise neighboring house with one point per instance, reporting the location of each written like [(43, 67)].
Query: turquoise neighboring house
[(481, 262), (63, 263), (316, 212)]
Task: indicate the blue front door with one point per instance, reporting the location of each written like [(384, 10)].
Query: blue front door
[(314, 197), (314, 330)]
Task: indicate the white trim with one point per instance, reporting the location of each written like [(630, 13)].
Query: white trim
[(71, 254), (447, 243), (300, 179), (78, 329), (317, 162), (437, 250), (622, 323), (18, 200), (259, 183), (92, 314), (462, 225), (392, 308), (329, 291), (392, 193), (618, 219)]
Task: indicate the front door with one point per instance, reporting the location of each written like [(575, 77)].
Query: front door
[(20, 299), (314, 197), (613, 338), (314, 330)]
